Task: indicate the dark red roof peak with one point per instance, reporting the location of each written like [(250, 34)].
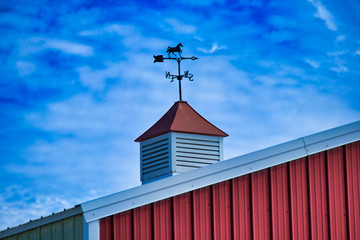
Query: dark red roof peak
[(181, 117)]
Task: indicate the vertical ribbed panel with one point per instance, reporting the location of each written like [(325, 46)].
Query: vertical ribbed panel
[(222, 210), (241, 207), (316, 197), (353, 188), (319, 220), (280, 202), (163, 220), (183, 225), (261, 204), (336, 186), (155, 157), (299, 194), (122, 225), (202, 213), (142, 223), (195, 151)]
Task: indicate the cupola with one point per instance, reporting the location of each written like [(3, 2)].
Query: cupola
[(182, 140)]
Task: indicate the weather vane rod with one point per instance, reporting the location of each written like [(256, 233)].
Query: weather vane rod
[(178, 58)]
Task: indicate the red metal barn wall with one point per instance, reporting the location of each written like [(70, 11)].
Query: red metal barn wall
[(317, 197)]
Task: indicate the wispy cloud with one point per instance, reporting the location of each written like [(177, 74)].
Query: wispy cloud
[(324, 14), (25, 68), (340, 38), (37, 44), (114, 28), (339, 69), (313, 63), (215, 47), (180, 27)]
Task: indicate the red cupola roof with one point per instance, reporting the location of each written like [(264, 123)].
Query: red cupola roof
[(181, 117)]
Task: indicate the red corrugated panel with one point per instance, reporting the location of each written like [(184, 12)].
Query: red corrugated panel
[(182, 216), (337, 201), (280, 202), (163, 219), (353, 188), (318, 197), (260, 204), (123, 225), (299, 199), (106, 228), (293, 200), (143, 222), (222, 210), (241, 207), (202, 213)]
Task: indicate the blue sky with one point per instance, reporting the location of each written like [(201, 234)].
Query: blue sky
[(78, 85)]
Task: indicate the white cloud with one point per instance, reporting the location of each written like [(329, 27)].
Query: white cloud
[(28, 206), (340, 38), (180, 27), (25, 68), (198, 38), (215, 47), (313, 63), (339, 69), (324, 14), (337, 53), (115, 28), (95, 79), (37, 44)]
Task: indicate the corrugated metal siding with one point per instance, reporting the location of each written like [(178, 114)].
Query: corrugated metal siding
[(352, 163), (316, 197), (241, 206), (202, 213), (280, 200), (319, 214), (67, 229), (221, 201), (182, 219), (299, 199), (260, 204)]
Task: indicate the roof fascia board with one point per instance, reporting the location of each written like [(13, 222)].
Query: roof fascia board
[(41, 222), (219, 172), (332, 138)]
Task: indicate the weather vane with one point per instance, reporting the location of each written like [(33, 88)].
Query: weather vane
[(178, 58)]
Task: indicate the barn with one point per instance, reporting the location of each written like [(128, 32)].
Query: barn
[(307, 188)]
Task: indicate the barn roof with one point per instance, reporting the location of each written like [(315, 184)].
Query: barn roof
[(181, 117), (32, 224), (219, 172)]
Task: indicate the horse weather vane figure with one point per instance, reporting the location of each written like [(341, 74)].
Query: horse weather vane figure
[(178, 58)]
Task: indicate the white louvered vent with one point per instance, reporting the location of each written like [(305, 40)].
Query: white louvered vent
[(194, 151), (155, 157), (174, 153)]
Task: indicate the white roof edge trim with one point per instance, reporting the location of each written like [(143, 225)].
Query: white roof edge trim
[(221, 171), (41, 222)]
